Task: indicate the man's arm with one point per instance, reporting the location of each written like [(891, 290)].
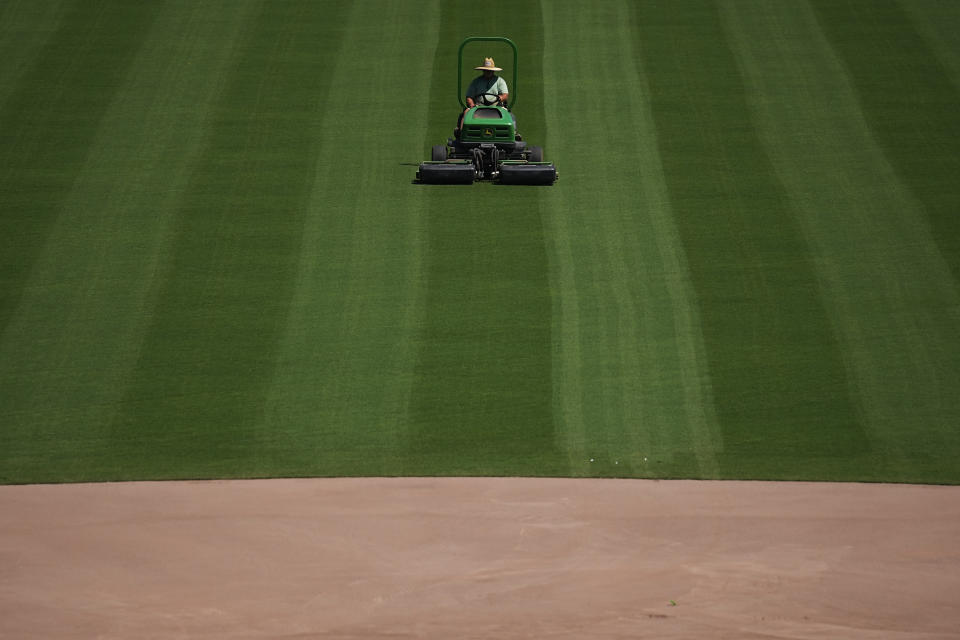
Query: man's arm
[(471, 90)]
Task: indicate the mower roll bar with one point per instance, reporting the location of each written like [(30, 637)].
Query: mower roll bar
[(513, 91)]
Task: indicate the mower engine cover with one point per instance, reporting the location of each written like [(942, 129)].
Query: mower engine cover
[(488, 124)]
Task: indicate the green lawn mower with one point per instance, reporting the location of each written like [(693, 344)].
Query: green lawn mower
[(488, 146)]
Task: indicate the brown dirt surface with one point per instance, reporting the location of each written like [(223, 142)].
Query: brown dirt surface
[(479, 558)]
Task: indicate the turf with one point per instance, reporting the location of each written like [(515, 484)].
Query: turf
[(214, 261)]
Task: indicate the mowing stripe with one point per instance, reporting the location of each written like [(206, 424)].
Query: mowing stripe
[(338, 403), (89, 296), (48, 121), (895, 72), (207, 360), (482, 397), (780, 386), (889, 292), (630, 385)]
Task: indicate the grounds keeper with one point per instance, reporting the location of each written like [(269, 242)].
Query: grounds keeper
[(489, 82)]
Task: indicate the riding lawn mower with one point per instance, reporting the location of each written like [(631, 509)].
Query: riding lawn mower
[(488, 146)]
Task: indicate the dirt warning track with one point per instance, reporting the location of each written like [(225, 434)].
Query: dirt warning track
[(479, 558)]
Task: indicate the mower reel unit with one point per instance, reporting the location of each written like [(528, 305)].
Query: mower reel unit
[(489, 146)]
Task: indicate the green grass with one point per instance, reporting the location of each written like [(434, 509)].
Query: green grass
[(214, 261), (779, 383)]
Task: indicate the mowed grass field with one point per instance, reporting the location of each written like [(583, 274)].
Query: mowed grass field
[(214, 261)]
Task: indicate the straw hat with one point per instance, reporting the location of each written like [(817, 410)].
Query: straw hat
[(488, 65)]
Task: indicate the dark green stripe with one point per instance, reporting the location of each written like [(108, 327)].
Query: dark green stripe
[(777, 372), (207, 361), (49, 122), (482, 401), (909, 103)]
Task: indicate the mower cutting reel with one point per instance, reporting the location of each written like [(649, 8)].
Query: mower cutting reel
[(489, 146)]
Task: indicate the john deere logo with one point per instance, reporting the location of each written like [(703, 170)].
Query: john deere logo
[(488, 133)]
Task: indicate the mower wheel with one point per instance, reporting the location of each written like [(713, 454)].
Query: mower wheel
[(536, 154), (439, 153)]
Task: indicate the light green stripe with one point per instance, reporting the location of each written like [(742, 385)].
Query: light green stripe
[(887, 288), (347, 354), (629, 363)]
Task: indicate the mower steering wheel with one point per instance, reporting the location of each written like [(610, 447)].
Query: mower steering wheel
[(484, 102)]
